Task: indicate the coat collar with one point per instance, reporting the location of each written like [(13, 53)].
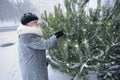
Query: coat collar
[(22, 29)]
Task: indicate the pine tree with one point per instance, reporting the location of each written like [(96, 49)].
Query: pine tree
[(91, 41)]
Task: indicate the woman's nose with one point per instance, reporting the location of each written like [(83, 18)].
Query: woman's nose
[(39, 22)]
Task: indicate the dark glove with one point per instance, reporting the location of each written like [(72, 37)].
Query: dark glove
[(59, 33)]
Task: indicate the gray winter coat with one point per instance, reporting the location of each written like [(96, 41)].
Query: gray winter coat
[(32, 57)]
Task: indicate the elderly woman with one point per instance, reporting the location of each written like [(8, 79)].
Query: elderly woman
[(31, 48)]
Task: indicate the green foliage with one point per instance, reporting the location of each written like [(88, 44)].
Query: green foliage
[(91, 41)]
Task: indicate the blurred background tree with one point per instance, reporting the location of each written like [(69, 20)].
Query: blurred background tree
[(91, 42), (12, 10)]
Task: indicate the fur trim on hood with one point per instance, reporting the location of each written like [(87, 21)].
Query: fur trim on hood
[(22, 29)]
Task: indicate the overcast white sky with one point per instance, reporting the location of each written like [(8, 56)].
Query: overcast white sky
[(92, 4)]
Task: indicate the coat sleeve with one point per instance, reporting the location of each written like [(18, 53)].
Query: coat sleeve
[(37, 42)]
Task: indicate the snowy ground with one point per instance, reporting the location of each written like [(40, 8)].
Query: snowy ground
[(9, 69), (8, 57)]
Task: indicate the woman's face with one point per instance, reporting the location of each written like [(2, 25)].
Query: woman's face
[(32, 23)]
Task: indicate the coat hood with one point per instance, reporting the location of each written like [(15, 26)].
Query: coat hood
[(22, 29)]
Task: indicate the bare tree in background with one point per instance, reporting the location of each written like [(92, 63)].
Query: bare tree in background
[(10, 11)]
